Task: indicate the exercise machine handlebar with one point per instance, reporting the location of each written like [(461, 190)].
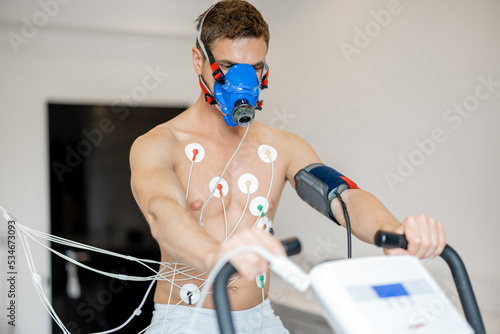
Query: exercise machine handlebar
[(458, 271), (292, 247)]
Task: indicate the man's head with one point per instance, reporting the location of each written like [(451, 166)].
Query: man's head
[(232, 32), (231, 19)]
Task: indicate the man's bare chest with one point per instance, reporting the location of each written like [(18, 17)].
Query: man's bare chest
[(227, 189)]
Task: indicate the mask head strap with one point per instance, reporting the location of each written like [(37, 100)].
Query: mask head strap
[(216, 71), (265, 77), (208, 97)]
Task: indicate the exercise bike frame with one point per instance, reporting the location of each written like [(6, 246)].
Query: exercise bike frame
[(382, 239)]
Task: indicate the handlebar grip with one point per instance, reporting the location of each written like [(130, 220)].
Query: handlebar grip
[(390, 240), (458, 271), (292, 247)]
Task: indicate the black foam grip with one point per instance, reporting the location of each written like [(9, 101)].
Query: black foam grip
[(390, 240), (292, 246)]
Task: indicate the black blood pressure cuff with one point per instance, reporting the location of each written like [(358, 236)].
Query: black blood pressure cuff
[(318, 185)]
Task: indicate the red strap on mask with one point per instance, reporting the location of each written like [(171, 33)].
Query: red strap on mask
[(208, 97)]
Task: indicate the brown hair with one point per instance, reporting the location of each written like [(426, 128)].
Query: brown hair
[(232, 19)]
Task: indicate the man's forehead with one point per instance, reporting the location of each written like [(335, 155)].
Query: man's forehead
[(243, 50), (229, 63)]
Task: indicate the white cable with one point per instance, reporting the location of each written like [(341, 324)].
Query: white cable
[(189, 179), (262, 325), (225, 216), (37, 281), (272, 178), (104, 273), (210, 197), (191, 311), (268, 191), (26, 231), (151, 324), (271, 258), (42, 235), (137, 311), (223, 172), (169, 297), (241, 217), (188, 277), (70, 243), (203, 293), (22, 232)]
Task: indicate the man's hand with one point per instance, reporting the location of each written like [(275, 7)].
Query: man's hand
[(249, 264), (426, 237)]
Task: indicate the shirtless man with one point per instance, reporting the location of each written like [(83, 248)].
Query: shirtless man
[(162, 167)]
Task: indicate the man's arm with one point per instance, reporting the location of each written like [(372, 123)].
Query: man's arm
[(367, 215), (426, 236), (161, 197)]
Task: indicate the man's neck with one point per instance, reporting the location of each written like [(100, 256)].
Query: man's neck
[(211, 118)]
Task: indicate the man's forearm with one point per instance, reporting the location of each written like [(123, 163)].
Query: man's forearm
[(367, 214), (181, 236)]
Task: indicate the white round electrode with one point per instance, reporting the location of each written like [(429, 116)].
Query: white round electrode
[(222, 185), (258, 206), (263, 221), (248, 183), (194, 152), (267, 153), (195, 293), (258, 280)]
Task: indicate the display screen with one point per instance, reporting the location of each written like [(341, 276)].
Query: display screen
[(390, 290)]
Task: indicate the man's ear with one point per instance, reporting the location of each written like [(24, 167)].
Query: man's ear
[(198, 60)]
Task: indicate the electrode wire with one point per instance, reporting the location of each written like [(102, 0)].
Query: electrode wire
[(268, 191), (218, 267), (241, 217), (223, 172), (189, 178)]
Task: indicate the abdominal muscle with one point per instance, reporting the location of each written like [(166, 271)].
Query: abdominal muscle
[(243, 294)]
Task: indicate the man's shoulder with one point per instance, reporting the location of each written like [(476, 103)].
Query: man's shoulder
[(277, 135), (154, 146), (166, 133), (160, 134), (297, 151)]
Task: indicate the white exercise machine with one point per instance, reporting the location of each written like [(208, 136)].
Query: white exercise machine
[(382, 294)]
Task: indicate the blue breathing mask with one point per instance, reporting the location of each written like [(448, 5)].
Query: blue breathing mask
[(238, 97), (236, 94)]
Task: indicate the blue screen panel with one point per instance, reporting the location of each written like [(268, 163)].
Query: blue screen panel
[(390, 290)]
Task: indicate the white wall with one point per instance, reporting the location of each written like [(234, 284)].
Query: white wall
[(360, 115)]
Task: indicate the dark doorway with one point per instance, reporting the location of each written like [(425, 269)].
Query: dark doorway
[(91, 203)]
